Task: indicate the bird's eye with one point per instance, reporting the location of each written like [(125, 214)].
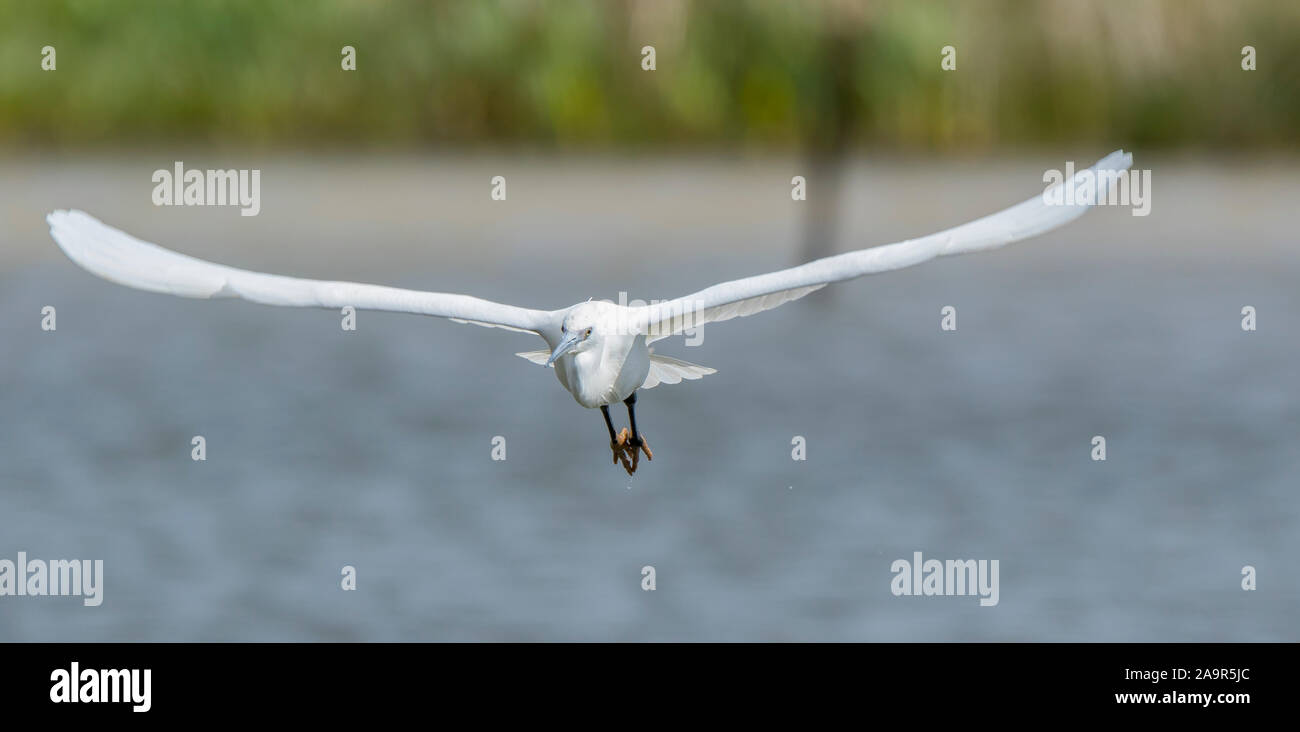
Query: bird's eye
[(589, 331), (563, 329)]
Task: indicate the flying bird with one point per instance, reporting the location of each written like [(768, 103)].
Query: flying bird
[(600, 351)]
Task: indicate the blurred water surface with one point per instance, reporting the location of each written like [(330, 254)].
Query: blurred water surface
[(372, 448)]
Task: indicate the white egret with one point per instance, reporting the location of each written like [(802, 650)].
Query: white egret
[(600, 350)]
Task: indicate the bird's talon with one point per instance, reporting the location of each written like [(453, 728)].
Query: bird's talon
[(619, 447), (634, 447)]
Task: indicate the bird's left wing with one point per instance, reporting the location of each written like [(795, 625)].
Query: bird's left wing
[(121, 258), (764, 292)]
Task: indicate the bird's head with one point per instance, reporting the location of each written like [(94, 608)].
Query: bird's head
[(583, 328)]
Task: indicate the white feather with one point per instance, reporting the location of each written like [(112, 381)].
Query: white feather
[(665, 370), (121, 258), (747, 296), (537, 357), (611, 365)]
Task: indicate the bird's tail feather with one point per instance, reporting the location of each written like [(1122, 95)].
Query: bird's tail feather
[(665, 370), (537, 357)]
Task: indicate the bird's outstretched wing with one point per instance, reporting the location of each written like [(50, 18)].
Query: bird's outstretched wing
[(764, 292), (121, 258)]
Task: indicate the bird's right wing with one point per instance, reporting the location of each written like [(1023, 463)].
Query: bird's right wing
[(121, 258), (764, 292)]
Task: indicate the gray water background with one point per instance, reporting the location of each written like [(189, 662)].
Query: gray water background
[(372, 448)]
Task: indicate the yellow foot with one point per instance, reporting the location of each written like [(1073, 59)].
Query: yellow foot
[(619, 448), (634, 449)]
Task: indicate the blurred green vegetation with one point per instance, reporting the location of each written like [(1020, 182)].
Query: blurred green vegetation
[(567, 73)]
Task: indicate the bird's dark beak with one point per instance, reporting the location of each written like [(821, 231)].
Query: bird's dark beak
[(565, 346)]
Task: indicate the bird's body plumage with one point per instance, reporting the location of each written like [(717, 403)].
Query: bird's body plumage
[(614, 366), (600, 350), (607, 376)]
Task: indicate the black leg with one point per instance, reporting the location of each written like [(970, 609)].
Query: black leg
[(631, 417), (604, 409), (636, 442), (620, 453)]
